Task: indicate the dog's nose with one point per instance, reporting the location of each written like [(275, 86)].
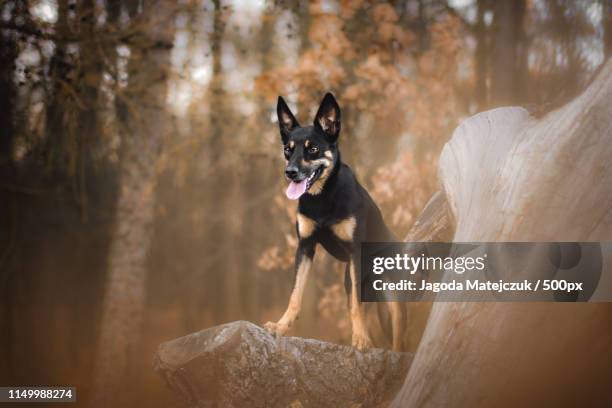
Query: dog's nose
[(291, 172)]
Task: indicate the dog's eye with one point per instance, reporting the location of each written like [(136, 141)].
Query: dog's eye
[(287, 150), (313, 150)]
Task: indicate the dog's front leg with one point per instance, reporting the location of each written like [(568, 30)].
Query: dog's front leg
[(361, 338), (303, 264)]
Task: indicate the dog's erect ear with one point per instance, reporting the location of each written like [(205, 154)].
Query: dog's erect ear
[(286, 121), (328, 117)]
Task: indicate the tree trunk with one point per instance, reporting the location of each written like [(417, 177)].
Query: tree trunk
[(90, 75), (218, 195), (434, 224), (481, 55), (507, 53), (510, 177), (606, 11), (127, 270), (9, 51), (241, 365), (59, 68)]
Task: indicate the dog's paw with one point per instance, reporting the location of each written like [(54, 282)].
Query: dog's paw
[(361, 341), (276, 329)]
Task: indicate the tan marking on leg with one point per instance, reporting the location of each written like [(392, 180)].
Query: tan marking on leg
[(361, 338), (306, 226), (345, 229), (329, 154), (295, 301)]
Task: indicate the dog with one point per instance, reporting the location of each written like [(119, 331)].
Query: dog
[(334, 210)]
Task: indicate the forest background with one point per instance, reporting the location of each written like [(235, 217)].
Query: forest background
[(141, 176)]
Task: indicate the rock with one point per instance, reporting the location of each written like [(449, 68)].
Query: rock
[(241, 365)]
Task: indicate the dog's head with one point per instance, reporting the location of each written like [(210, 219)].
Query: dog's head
[(311, 152)]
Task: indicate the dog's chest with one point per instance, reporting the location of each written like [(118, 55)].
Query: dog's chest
[(335, 234), (330, 223)]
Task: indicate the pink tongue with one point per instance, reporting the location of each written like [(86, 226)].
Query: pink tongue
[(295, 190)]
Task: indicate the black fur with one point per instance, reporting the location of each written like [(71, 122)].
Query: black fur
[(334, 210), (341, 196)]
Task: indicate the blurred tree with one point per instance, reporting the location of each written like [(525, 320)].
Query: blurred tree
[(8, 54), (89, 75), (508, 55), (219, 185), (481, 53), (606, 10), (9, 51), (125, 294), (58, 98)]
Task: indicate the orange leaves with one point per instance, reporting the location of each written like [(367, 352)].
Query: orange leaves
[(378, 89), (384, 13), (348, 8), (273, 258), (402, 188), (386, 20), (267, 86), (388, 27), (326, 32)]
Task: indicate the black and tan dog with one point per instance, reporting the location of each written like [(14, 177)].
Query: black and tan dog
[(334, 210)]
